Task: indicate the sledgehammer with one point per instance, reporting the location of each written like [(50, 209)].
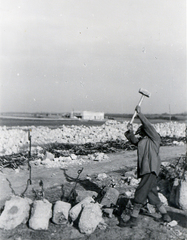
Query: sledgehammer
[(144, 93)]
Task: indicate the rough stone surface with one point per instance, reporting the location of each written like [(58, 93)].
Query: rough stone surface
[(134, 182), (163, 199), (151, 208), (48, 155), (178, 195), (40, 215), (16, 211), (90, 217), (83, 194), (75, 211), (110, 197), (183, 195), (174, 195), (101, 176), (61, 212)]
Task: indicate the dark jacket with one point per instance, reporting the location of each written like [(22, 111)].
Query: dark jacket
[(148, 148)]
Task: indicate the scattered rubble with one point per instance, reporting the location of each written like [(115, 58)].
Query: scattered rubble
[(91, 210), (61, 155)]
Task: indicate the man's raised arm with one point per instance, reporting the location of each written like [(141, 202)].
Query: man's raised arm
[(130, 134), (147, 126)]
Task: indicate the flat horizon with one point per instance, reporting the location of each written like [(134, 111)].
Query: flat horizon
[(115, 113)]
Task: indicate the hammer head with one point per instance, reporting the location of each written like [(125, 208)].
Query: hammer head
[(144, 92)]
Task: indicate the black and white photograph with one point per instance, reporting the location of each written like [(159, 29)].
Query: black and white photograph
[(93, 120)]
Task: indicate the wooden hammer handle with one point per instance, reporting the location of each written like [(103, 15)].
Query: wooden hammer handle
[(135, 113)]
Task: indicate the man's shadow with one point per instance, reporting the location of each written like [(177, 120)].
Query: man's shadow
[(85, 183)]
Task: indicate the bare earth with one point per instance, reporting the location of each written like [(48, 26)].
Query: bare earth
[(53, 178)]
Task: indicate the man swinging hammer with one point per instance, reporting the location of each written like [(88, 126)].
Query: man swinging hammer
[(148, 168)]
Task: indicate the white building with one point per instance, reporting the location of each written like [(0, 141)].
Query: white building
[(87, 115)]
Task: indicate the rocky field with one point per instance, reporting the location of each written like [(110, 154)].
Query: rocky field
[(101, 164)]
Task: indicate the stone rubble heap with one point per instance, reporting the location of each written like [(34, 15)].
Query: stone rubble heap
[(88, 212), (15, 139)]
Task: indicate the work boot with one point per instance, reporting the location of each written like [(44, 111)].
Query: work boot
[(132, 222), (166, 217)]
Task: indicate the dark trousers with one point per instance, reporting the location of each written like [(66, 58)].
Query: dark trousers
[(147, 190)]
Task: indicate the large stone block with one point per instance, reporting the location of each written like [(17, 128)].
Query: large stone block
[(16, 211), (40, 215), (178, 196), (61, 212), (90, 217), (75, 211), (110, 198), (183, 194)]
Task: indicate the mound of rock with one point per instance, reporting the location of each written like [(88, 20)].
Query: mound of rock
[(14, 140)]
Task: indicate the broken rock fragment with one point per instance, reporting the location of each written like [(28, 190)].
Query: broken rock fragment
[(178, 195), (83, 194), (40, 215), (134, 182), (90, 217), (16, 211), (110, 198), (101, 176), (163, 199), (48, 155), (75, 211), (60, 212), (73, 156), (183, 193)]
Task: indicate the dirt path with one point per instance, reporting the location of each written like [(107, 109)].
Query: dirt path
[(55, 176)]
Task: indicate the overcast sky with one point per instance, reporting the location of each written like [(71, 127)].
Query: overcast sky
[(64, 55)]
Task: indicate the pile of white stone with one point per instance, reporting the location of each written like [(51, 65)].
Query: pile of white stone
[(15, 139)]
